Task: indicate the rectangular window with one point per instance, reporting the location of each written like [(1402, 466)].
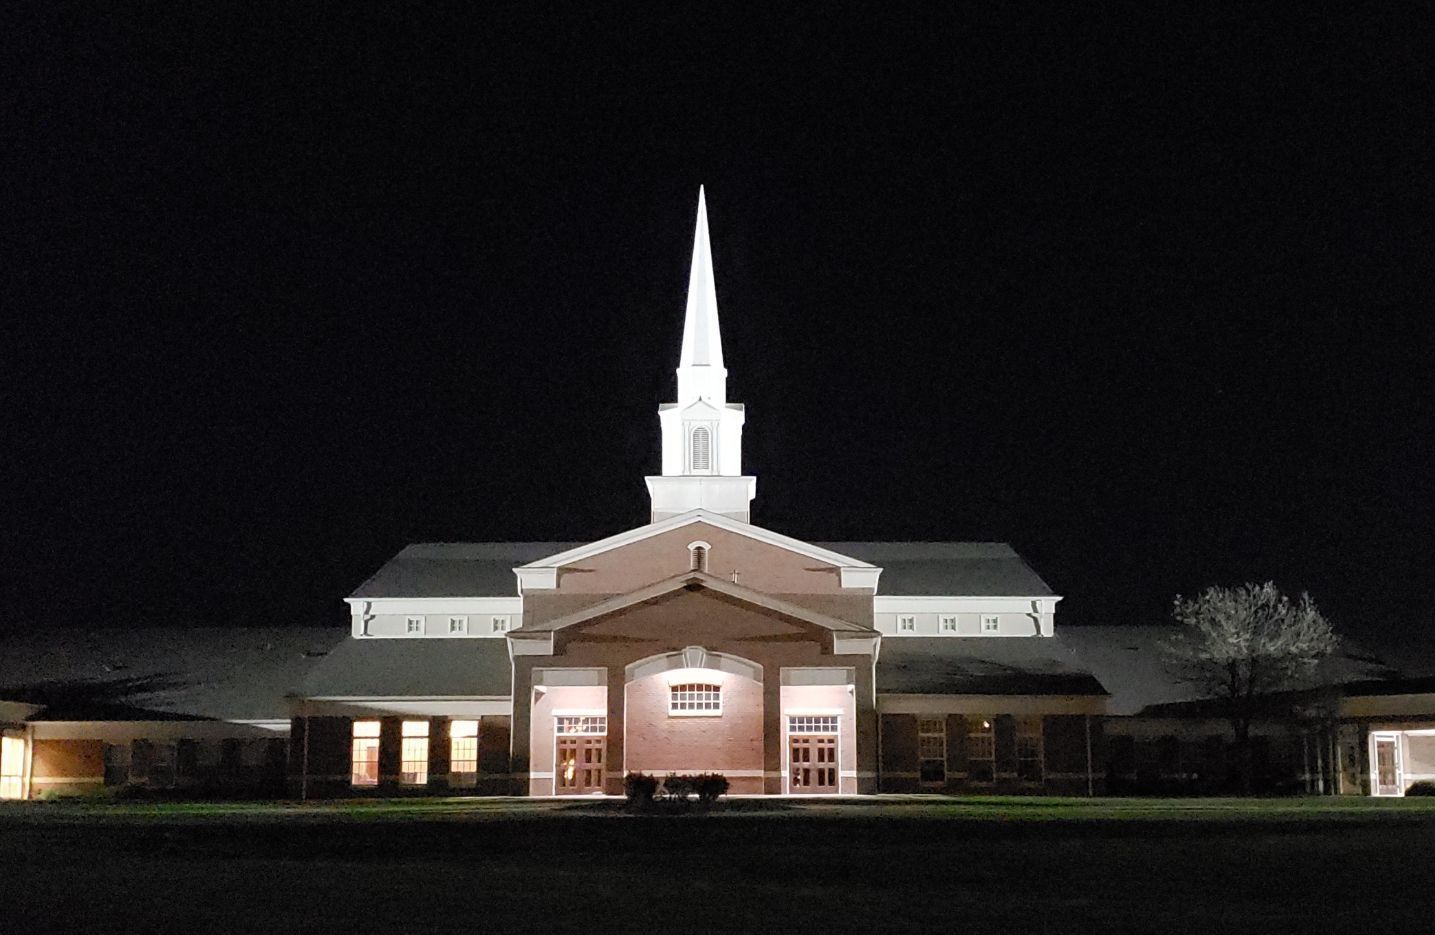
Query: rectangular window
[(932, 749), (1030, 766), (949, 623), (501, 624), (991, 623), (413, 625), (906, 624), (365, 765), (463, 752), (812, 724), (458, 624), (414, 770), (981, 749), (695, 699), (590, 724), (12, 763)]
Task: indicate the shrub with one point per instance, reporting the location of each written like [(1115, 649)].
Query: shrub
[(1425, 787), (677, 788), (709, 786), (640, 788)]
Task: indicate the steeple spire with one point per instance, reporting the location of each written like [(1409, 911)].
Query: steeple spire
[(702, 431), (702, 343)]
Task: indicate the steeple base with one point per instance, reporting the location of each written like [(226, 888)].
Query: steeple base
[(730, 496)]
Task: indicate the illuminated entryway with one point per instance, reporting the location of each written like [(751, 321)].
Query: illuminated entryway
[(812, 755), (581, 754), (1399, 759)]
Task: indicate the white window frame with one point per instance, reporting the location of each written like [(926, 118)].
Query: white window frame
[(991, 623), (414, 625), (458, 626), (413, 767), (711, 432), (580, 725), (365, 736), (463, 748), (948, 623), (906, 623), (698, 561), (989, 734), (500, 623), (702, 699), (924, 732)]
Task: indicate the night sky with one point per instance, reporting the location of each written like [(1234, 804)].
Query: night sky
[(1145, 292)]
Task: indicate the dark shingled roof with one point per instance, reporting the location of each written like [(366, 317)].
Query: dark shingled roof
[(485, 569), (368, 667), (975, 569), (170, 673), (982, 666), (457, 569)]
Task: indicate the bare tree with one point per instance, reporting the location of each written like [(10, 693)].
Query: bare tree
[(1240, 645)]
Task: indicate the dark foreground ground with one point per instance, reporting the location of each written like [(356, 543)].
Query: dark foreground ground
[(892, 865)]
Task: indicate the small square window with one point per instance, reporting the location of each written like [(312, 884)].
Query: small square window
[(458, 624), (991, 623), (949, 623), (501, 624), (414, 625), (906, 624)]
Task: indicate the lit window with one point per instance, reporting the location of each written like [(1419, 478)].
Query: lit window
[(949, 623), (414, 625), (981, 749), (365, 768), (991, 624), (907, 624), (702, 450), (458, 624), (591, 724), (932, 749), (698, 556), (500, 624), (812, 724), (1029, 760), (695, 698), (12, 773), (463, 752), (414, 770)]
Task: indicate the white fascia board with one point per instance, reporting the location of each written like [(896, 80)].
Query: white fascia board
[(552, 562), (860, 576), (123, 731), (435, 605), (414, 705), (864, 645), (536, 579), (531, 647), (927, 603), (990, 705)]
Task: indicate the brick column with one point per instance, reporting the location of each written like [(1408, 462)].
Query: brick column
[(772, 730), (617, 692), (866, 729), (519, 757)]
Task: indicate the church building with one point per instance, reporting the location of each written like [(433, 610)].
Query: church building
[(699, 642)]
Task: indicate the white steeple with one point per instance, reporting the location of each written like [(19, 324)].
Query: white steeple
[(702, 431)]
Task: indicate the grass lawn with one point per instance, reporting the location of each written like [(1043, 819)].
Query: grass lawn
[(891, 864)]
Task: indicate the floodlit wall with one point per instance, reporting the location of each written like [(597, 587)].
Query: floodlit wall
[(730, 743)]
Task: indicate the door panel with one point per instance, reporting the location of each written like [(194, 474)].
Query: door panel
[(1387, 766), (580, 765), (812, 764)]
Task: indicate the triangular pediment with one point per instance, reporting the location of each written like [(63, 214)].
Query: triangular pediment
[(701, 410), (696, 581)]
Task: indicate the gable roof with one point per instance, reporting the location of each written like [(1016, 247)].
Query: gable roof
[(695, 581), (982, 666), (168, 673), (638, 534), (389, 668), (456, 569), (965, 569)]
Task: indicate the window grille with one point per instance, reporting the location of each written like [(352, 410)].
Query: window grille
[(991, 624), (695, 698), (1029, 753), (698, 558), (590, 724), (463, 749), (949, 624), (812, 724), (501, 624), (458, 624), (906, 624), (981, 749), (414, 625), (932, 749), (414, 771), (364, 769)]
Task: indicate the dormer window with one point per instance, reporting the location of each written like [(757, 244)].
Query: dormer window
[(457, 625), (702, 450), (698, 556), (501, 624)]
